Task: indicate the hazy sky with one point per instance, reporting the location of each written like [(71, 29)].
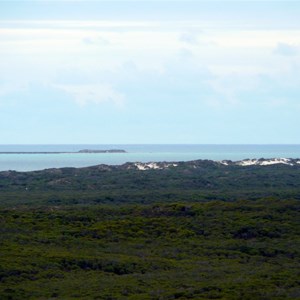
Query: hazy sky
[(149, 72)]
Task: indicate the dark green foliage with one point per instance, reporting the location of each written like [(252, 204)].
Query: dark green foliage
[(189, 181), (215, 250), (204, 232)]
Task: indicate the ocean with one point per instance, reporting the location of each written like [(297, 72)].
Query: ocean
[(134, 153)]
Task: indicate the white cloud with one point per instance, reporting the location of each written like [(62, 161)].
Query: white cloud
[(230, 87), (189, 38), (93, 93), (39, 51), (253, 38), (185, 53), (5, 89), (8, 88), (95, 41), (286, 49)]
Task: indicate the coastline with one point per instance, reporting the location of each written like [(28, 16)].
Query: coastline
[(193, 164), (84, 151), (39, 157)]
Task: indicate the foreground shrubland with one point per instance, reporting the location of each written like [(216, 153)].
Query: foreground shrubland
[(215, 250)]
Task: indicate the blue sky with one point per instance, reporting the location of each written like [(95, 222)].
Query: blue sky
[(149, 72)]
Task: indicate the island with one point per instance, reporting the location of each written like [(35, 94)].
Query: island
[(64, 152), (102, 151)]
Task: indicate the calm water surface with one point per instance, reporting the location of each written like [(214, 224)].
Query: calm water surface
[(135, 153)]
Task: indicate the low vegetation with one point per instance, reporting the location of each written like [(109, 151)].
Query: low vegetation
[(68, 241)]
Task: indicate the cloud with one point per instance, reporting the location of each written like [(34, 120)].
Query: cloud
[(169, 56), (5, 89), (88, 41), (95, 41), (286, 49), (189, 38), (186, 53), (93, 93), (9, 88)]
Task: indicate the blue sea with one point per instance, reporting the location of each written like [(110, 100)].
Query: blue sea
[(135, 153)]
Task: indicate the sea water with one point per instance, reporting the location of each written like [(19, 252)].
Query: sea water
[(134, 153)]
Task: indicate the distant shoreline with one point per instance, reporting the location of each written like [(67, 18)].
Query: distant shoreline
[(66, 152), (32, 158)]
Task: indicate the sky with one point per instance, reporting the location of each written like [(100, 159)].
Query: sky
[(164, 72)]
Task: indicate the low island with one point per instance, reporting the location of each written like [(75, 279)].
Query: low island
[(64, 152), (102, 151)]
